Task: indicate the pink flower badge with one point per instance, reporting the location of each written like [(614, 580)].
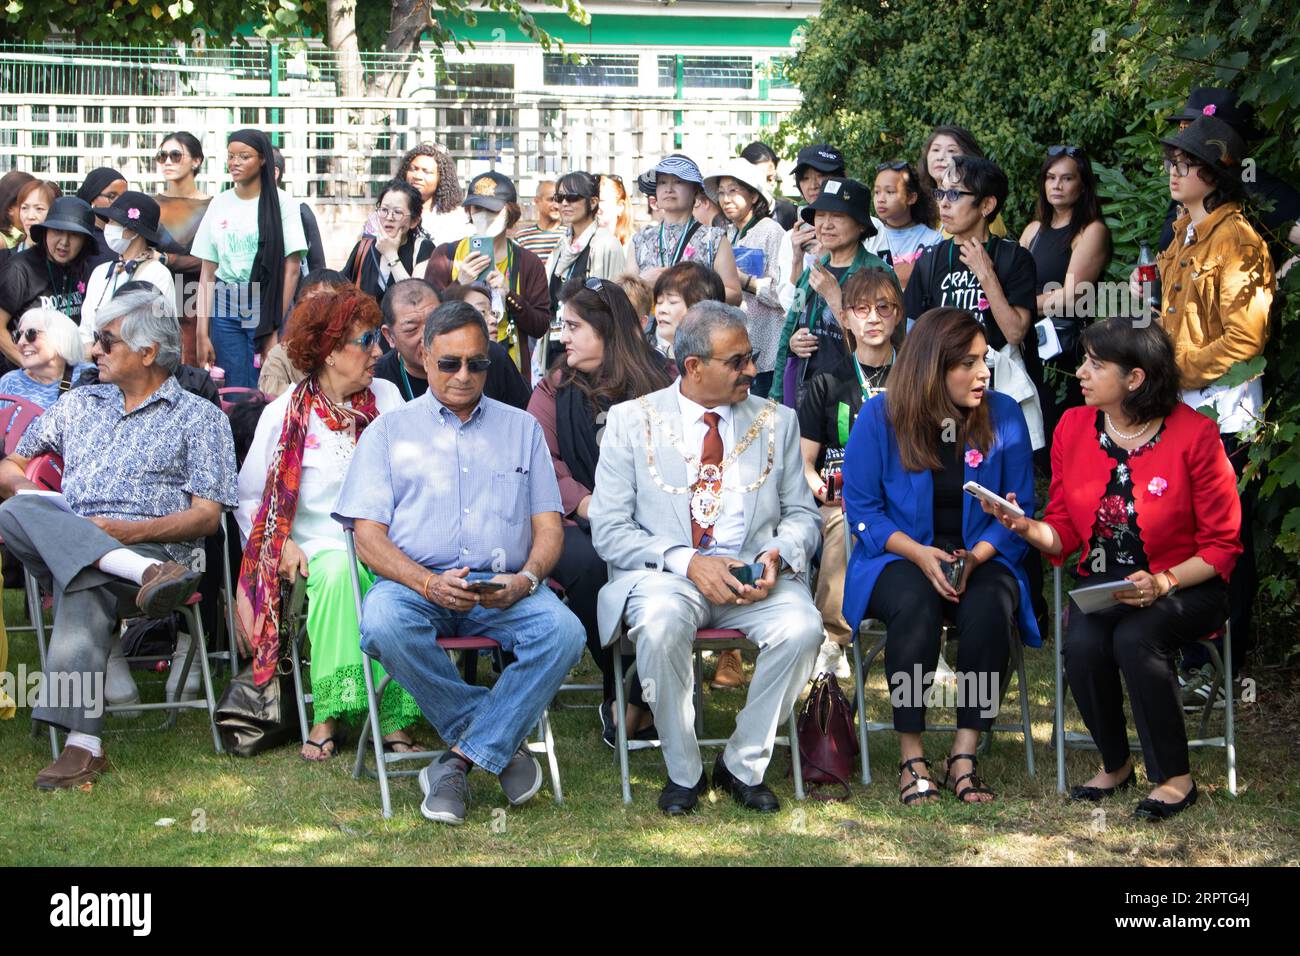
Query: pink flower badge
[(133, 213), (1209, 110), (982, 304), (1157, 486), (311, 441), (974, 458), (81, 287), (224, 224)]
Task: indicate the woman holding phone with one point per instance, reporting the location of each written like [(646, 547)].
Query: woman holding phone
[(924, 551), (1142, 489)]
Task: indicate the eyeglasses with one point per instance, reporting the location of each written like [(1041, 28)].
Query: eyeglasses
[(451, 364), (1072, 151), (568, 197), (1180, 167), (169, 156), (367, 340), (28, 334), (740, 361), (886, 310), (897, 166), (389, 212), (105, 340), (952, 195)]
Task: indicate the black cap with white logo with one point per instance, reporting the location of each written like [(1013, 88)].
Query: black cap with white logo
[(821, 157)]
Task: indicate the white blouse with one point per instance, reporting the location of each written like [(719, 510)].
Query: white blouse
[(325, 463)]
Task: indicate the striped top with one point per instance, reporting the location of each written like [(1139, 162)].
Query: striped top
[(540, 242)]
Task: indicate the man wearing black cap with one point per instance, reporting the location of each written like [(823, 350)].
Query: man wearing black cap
[(1277, 222), (51, 274), (813, 166), (516, 276)]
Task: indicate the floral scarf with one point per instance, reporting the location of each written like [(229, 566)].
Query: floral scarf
[(257, 605)]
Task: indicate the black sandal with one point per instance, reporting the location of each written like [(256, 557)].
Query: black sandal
[(924, 785), (976, 784), (390, 746), (336, 740)]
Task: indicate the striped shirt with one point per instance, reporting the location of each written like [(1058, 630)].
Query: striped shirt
[(540, 242), (453, 494)]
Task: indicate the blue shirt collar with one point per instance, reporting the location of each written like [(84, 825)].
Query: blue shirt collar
[(446, 416)]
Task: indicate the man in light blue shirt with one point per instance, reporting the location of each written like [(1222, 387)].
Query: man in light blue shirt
[(457, 511)]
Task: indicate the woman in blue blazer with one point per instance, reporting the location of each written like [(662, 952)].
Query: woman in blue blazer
[(924, 551)]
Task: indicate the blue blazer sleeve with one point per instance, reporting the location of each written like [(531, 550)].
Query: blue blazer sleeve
[(1014, 472), (867, 458)]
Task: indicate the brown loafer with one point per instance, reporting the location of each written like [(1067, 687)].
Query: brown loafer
[(166, 587), (74, 767), (728, 672)]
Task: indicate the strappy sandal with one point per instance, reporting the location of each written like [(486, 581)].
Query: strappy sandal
[(413, 746), (925, 788), (976, 784), (336, 740)]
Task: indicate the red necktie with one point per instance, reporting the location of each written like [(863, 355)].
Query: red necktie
[(710, 454)]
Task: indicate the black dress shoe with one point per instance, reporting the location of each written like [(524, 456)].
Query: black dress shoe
[(757, 797), (1094, 794), (676, 800), (1149, 809)]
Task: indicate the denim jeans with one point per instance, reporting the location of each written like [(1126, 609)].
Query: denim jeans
[(399, 628), (235, 316)]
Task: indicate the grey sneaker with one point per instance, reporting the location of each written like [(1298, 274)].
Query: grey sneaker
[(522, 777), (446, 792)]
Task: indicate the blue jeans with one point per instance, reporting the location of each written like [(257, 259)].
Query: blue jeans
[(399, 628), (235, 316)]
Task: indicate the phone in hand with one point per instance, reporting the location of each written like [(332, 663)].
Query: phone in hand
[(749, 574), (484, 587), (953, 571), (480, 246)]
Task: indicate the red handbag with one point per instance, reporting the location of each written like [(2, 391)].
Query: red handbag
[(827, 741)]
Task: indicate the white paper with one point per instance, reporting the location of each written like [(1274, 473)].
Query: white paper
[(55, 497), (1098, 597)]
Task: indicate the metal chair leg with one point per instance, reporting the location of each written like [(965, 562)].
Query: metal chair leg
[(1059, 729), (1024, 712), (860, 685), (372, 701), (1229, 727), (796, 761), (37, 616), (620, 720), (295, 657), (548, 739), (199, 647)]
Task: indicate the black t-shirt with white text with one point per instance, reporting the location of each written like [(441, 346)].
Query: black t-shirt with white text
[(940, 278), (31, 281)]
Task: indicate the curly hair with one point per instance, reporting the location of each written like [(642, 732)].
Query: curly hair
[(319, 324), (448, 195)]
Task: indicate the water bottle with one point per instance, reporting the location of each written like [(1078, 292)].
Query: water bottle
[(1147, 277)]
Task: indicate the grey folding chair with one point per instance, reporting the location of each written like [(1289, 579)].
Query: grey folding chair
[(370, 731), (296, 619), (1078, 740), (227, 598), (706, 639), (866, 726)]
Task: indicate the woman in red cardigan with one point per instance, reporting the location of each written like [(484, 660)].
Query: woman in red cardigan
[(1142, 489)]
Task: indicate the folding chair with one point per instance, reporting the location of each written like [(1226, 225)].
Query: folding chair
[(1078, 740), (570, 688), (472, 645), (710, 639), (47, 471), (15, 418), (226, 597), (865, 726)]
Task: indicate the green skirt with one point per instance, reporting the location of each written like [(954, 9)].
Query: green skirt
[(337, 683)]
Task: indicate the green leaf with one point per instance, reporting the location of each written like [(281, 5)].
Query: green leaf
[(1242, 372)]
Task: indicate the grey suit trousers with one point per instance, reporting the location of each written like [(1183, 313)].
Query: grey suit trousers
[(60, 550), (662, 614)]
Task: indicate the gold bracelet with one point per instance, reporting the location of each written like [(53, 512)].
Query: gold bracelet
[(424, 591)]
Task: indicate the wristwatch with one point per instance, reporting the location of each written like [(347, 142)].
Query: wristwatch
[(1173, 583), (537, 582)]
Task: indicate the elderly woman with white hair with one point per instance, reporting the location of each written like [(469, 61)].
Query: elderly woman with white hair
[(52, 357)]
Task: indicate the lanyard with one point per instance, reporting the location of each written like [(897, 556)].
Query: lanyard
[(871, 386), (753, 221), (681, 244), (406, 382), (60, 290), (988, 247)]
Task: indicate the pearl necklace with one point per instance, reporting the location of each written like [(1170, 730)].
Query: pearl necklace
[(1120, 435)]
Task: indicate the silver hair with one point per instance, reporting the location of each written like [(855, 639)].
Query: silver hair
[(60, 331), (694, 335), (148, 318)]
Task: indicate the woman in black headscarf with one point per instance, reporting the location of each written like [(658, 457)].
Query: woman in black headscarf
[(99, 190), (249, 242)]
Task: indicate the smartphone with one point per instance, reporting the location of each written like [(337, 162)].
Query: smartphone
[(954, 571), (976, 490), (484, 587), (480, 246), (748, 573)]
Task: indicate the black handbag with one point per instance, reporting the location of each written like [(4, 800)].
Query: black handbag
[(254, 719)]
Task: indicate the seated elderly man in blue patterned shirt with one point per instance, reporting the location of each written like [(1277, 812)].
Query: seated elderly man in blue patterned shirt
[(456, 509), (147, 470)]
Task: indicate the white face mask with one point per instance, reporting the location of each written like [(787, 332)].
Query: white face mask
[(486, 223), (118, 237)]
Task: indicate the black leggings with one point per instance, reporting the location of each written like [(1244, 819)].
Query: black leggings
[(1139, 643), (582, 573), (913, 614)]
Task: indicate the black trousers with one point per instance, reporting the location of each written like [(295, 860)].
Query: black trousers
[(913, 614), (1140, 644), (582, 573)]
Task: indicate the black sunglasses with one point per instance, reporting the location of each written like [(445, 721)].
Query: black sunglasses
[(169, 156), (105, 340), (451, 364), (738, 363), (28, 334), (952, 195), (897, 166), (1074, 152), (569, 197)]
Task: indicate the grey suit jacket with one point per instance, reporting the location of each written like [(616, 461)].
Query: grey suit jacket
[(634, 522)]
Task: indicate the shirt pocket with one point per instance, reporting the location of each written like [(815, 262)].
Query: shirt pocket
[(1206, 281), (510, 496)]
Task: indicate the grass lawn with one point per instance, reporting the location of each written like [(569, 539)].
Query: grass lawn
[(279, 809)]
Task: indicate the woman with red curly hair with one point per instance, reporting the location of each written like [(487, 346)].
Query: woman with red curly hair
[(287, 486)]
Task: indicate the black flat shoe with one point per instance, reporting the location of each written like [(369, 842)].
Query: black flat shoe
[(609, 730), (1093, 794), (1149, 809), (676, 800), (757, 797)]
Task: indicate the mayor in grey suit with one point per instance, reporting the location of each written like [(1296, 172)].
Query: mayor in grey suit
[(670, 573)]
